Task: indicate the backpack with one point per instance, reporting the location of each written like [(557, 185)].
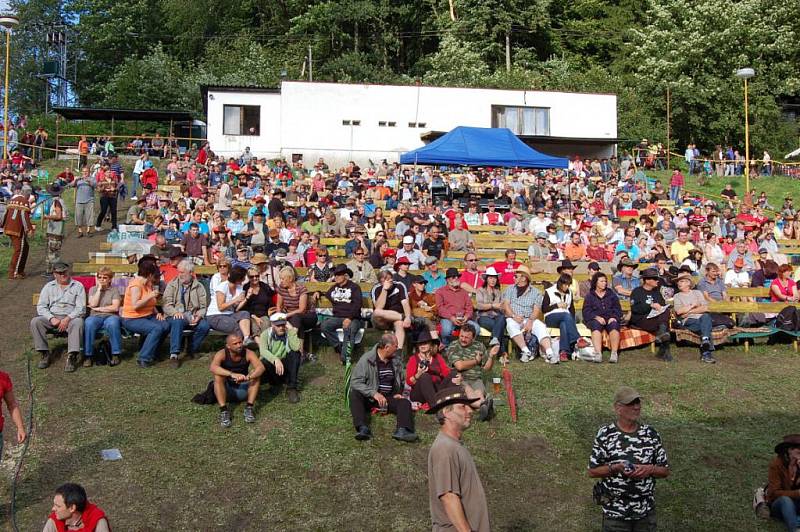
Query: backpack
[(788, 319)]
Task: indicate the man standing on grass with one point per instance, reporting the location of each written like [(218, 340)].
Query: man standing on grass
[(627, 457), (457, 499)]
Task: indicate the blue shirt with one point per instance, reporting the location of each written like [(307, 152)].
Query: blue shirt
[(251, 193), (236, 226), (633, 251), (203, 227), (627, 284), (434, 283)]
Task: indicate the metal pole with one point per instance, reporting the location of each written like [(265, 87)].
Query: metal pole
[(746, 142), (668, 117), (508, 52), (5, 96), (310, 67)]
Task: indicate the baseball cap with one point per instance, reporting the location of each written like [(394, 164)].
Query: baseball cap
[(452, 272), (625, 395), (408, 239)]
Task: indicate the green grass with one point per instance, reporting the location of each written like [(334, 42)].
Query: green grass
[(299, 468)]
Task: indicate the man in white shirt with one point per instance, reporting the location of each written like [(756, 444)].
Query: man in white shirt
[(415, 256), (539, 223), (737, 277)]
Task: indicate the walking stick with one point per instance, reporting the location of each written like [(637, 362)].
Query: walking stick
[(512, 401)]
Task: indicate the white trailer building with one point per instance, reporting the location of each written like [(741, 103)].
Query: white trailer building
[(363, 123)]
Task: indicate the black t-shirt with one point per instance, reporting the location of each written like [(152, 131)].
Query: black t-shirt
[(260, 303), (730, 194), (394, 300), (433, 247), (346, 300)]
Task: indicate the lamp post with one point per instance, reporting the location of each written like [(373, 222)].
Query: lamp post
[(745, 74), (9, 22)]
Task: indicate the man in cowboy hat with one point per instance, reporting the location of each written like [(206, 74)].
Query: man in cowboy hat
[(345, 297), (646, 300), (56, 227), (691, 308), (539, 250), (457, 499), (567, 268), (522, 305), (627, 457), (624, 282)]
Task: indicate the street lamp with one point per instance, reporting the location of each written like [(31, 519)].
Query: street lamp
[(745, 74), (9, 22)]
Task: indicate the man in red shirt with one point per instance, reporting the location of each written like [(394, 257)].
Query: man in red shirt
[(73, 511), (507, 268), (454, 306), (492, 217)]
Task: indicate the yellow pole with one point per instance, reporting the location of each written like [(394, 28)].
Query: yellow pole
[(746, 142), (5, 103)]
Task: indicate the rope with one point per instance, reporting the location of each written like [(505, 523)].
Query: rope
[(18, 468)]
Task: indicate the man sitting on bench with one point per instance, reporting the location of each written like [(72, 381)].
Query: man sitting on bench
[(345, 296), (62, 304), (185, 304)]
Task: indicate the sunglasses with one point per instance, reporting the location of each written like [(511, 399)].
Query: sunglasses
[(252, 276)]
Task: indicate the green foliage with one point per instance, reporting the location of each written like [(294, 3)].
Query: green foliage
[(155, 53)]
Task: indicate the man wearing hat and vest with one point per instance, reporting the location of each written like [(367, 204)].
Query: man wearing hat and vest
[(280, 354), (345, 297), (456, 495), (18, 227), (627, 457), (56, 227)]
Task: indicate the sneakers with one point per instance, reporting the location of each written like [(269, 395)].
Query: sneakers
[(581, 343), (494, 342), (44, 363), (292, 395), (363, 433), (708, 358), (249, 415), (250, 342), (551, 359), (134, 198), (614, 358), (225, 418), (526, 357), (705, 346), (563, 356), (174, 361), (71, 363), (486, 410), (97, 228), (403, 434)]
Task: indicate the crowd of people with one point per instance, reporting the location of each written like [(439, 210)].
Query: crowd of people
[(651, 251)]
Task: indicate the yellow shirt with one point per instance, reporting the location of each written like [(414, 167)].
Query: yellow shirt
[(681, 251)]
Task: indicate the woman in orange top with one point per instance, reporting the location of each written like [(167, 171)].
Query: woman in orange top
[(139, 313)]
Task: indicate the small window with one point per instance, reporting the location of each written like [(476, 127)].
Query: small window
[(241, 119), (392, 124), (382, 124), (412, 124), (345, 122), (356, 122), (297, 157), (421, 124)]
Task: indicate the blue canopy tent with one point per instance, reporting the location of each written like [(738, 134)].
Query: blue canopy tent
[(480, 146)]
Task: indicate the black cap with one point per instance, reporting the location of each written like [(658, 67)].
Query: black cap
[(419, 279), (452, 272), (594, 266)]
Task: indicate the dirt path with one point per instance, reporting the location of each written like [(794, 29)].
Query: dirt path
[(16, 311)]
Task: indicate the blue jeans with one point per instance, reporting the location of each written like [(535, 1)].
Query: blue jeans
[(136, 185), (448, 327), (702, 326), (153, 331), (566, 325), (497, 325), (785, 508), (113, 328), (176, 328), (675, 193)]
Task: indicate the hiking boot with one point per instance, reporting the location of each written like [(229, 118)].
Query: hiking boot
[(664, 353), (486, 410), (44, 363), (403, 434), (705, 346), (708, 358), (292, 395), (249, 415), (225, 418), (71, 363), (663, 337), (88, 362), (363, 433)]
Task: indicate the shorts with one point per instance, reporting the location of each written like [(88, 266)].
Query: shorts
[(84, 214), (539, 329), (227, 323), (382, 324), (236, 391), (594, 325)]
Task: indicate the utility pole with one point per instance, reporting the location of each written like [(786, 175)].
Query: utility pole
[(508, 52), (310, 67)]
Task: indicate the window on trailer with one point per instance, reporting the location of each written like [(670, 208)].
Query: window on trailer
[(522, 120), (241, 119)]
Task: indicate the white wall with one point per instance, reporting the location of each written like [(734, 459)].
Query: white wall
[(268, 143), (311, 115)]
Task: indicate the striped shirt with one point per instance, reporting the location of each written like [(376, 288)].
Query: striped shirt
[(523, 305), (291, 302)]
